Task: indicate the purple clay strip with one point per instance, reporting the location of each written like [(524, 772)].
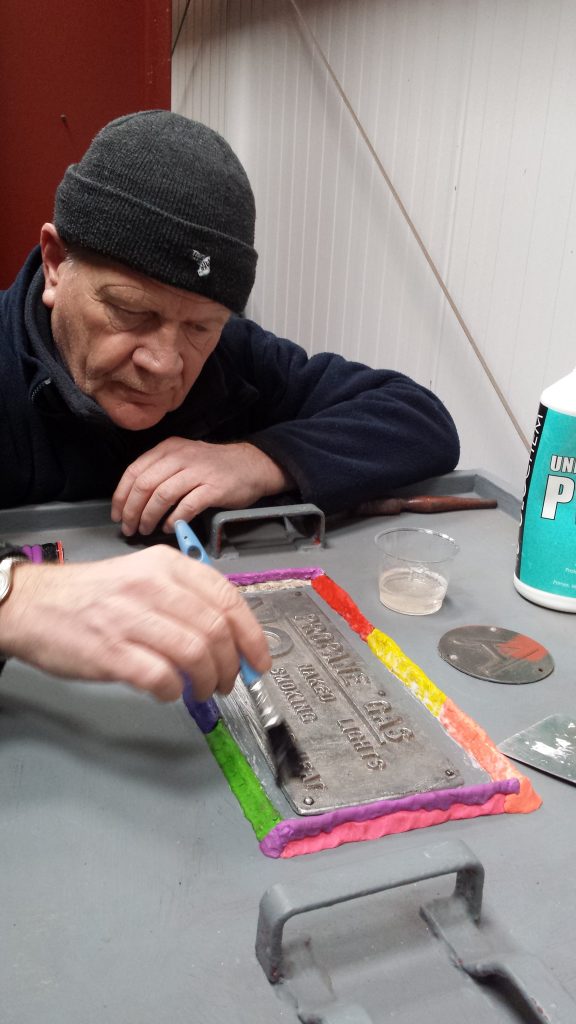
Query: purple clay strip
[(204, 712), (245, 578), (299, 828), (33, 552)]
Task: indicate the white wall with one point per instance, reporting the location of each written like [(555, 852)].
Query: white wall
[(471, 108)]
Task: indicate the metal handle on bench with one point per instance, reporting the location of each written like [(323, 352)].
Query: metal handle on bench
[(453, 919), (252, 515), (281, 902)]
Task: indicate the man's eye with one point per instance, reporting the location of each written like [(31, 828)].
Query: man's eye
[(129, 312), (127, 316)]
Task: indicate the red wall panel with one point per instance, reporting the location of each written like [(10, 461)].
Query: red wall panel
[(66, 68)]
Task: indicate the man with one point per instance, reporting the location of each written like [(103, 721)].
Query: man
[(128, 371)]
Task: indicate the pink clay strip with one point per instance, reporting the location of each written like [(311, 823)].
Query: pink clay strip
[(321, 824), (402, 821)]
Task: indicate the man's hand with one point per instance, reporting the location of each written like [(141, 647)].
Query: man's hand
[(189, 476), (142, 619)]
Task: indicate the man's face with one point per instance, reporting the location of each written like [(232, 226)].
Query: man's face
[(134, 345)]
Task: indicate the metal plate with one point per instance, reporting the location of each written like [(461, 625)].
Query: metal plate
[(365, 738), (495, 654), (549, 745)]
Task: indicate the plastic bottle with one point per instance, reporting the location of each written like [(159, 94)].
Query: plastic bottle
[(546, 559)]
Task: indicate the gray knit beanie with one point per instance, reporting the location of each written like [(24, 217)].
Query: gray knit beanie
[(168, 197)]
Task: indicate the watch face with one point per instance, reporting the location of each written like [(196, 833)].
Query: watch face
[(4, 582)]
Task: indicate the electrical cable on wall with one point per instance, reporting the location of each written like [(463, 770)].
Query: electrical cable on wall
[(316, 46), (180, 27)]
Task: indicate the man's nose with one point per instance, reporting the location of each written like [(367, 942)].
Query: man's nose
[(159, 355)]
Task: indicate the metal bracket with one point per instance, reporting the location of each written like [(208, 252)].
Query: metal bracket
[(222, 520)]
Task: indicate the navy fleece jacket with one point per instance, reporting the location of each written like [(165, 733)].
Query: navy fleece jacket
[(344, 432)]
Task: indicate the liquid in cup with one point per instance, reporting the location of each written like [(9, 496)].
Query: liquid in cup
[(414, 569)]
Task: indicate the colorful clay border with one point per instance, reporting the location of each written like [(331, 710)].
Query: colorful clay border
[(508, 792)]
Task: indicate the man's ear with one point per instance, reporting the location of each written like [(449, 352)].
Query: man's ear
[(53, 255)]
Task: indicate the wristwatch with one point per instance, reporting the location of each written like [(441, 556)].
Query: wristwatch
[(9, 556)]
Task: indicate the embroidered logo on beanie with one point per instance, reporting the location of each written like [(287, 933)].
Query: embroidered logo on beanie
[(168, 197), (203, 263)]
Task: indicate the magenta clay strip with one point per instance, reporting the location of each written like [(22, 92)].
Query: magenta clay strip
[(299, 828), (243, 579)]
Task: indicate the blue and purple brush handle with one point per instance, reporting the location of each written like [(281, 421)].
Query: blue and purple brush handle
[(205, 712)]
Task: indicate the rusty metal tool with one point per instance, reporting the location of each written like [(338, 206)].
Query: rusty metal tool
[(422, 503)]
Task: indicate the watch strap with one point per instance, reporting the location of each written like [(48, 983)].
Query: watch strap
[(11, 551)]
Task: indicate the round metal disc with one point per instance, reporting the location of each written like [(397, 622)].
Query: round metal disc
[(496, 654)]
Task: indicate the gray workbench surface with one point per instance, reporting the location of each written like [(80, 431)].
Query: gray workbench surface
[(130, 881)]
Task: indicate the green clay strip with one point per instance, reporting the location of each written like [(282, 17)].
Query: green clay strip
[(257, 808)]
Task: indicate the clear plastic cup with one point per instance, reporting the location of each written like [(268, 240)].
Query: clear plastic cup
[(414, 569)]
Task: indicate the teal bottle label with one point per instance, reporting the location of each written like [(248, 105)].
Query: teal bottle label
[(547, 539)]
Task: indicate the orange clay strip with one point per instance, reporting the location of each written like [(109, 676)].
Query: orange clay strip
[(472, 737)]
